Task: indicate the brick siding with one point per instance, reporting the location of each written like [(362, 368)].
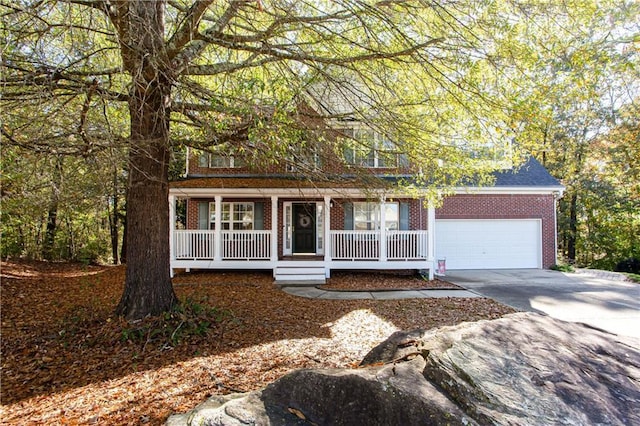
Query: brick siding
[(463, 206)]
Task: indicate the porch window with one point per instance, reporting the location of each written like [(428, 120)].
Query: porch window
[(366, 216), (236, 216)]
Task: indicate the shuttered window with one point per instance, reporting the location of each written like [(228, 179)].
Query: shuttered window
[(365, 216), (238, 216)]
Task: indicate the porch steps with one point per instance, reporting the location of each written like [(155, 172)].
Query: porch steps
[(288, 274)]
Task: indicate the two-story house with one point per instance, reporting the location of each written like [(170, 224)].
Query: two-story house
[(302, 229)]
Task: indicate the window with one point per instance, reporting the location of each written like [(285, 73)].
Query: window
[(236, 216), (303, 159), (218, 161), (368, 148), (366, 216)]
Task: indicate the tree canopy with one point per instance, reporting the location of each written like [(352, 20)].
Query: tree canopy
[(444, 80)]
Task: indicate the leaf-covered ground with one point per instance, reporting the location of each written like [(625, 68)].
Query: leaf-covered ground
[(67, 360)]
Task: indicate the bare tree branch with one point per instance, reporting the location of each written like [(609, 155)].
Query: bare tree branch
[(182, 58), (188, 29)]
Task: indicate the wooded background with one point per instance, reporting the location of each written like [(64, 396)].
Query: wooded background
[(560, 79)]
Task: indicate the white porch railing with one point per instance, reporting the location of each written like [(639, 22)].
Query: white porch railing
[(407, 245), (200, 245), (256, 245), (250, 245), (365, 245), (355, 245), (193, 244)]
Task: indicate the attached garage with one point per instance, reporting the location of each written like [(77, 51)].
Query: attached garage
[(489, 243)]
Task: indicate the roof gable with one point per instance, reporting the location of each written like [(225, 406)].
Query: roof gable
[(530, 173)]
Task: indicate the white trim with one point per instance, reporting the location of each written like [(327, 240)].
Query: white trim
[(519, 190), (383, 228), (317, 251), (267, 192), (327, 231), (287, 228), (274, 229), (217, 249), (351, 192), (328, 265), (320, 241)]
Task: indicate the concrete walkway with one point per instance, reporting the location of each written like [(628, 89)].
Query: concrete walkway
[(317, 293)]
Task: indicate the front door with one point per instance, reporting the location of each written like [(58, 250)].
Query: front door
[(304, 228)]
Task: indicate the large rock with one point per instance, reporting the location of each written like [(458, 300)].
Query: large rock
[(521, 369)]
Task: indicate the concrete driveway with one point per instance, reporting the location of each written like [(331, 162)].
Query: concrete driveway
[(601, 299)]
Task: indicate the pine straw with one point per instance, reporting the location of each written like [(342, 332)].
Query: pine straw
[(383, 280), (67, 360)]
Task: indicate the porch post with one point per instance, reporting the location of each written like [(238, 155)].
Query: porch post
[(383, 231), (431, 238), (274, 230), (327, 235), (172, 231), (217, 233)]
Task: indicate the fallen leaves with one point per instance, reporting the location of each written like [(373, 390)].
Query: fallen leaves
[(383, 280), (67, 360)]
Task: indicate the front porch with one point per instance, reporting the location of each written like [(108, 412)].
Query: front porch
[(297, 252)]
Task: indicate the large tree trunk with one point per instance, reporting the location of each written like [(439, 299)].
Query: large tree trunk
[(50, 232), (114, 220), (52, 212), (123, 248), (148, 288)]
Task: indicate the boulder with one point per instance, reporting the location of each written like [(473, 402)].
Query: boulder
[(523, 369)]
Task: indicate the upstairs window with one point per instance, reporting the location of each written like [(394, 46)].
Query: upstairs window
[(219, 160), (303, 160), (368, 148)]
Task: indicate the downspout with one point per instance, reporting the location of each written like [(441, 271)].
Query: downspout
[(431, 236), (186, 166)]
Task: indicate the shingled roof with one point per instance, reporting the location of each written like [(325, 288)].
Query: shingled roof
[(530, 174)]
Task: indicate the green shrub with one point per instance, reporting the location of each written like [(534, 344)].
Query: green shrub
[(563, 267)]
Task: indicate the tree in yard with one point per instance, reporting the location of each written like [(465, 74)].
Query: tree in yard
[(608, 232), (234, 73), (583, 92)]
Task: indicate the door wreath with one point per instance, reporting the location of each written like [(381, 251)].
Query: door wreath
[(304, 221)]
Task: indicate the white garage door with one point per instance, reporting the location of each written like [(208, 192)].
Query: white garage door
[(489, 244)]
